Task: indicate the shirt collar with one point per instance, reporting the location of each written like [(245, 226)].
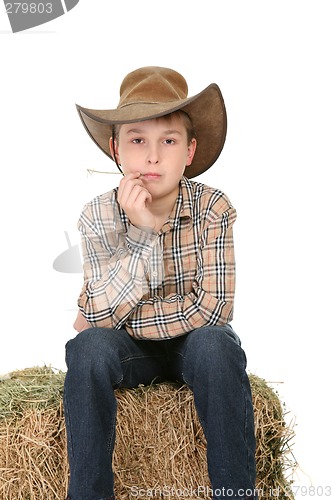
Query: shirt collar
[(183, 207)]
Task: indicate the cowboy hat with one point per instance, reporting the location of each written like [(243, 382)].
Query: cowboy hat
[(152, 92)]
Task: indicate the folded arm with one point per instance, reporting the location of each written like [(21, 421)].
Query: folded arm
[(210, 301), (114, 271)]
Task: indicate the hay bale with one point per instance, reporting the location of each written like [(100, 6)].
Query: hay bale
[(160, 443)]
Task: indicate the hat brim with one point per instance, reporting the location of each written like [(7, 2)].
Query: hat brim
[(206, 110)]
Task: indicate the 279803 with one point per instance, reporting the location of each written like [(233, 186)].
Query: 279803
[(309, 491), (28, 8)]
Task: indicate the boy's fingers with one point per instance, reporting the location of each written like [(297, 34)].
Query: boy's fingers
[(136, 197), (143, 196), (133, 198), (129, 177), (126, 184)]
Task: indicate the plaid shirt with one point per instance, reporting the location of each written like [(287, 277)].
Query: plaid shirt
[(159, 285)]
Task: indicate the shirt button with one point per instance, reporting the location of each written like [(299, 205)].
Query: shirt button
[(154, 274)]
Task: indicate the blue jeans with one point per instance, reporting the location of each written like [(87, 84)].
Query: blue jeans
[(212, 364)]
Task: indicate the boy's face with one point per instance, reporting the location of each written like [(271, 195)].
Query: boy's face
[(158, 149)]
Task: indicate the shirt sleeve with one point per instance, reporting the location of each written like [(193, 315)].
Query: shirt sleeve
[(211, 300), (114, 270)]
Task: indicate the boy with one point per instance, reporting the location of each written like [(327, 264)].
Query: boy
[(158, 285)]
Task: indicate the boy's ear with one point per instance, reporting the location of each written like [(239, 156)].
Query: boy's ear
[(191, 151), (113, 149)]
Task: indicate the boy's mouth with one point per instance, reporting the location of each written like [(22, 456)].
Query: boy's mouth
[(151, 176)]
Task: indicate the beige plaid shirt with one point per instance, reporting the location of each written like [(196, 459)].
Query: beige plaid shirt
[(159, 285)]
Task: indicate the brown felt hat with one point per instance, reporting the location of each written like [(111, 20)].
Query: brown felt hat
[(152, 92)]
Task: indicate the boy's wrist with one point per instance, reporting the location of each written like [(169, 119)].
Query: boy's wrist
[(140, 240)]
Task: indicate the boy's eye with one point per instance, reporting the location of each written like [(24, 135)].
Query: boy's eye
[(169, 141), (137, 141)]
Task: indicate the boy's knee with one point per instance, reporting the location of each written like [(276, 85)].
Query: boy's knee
[(92, 353), (215, 349), (88, 346), (214, 340)]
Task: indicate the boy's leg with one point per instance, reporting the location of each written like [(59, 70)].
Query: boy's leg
[(212, 363), (98, 361)]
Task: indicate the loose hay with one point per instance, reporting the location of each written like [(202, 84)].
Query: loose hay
[(160, 444)]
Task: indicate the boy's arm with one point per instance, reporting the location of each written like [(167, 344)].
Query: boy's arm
[(114, 270), (80, 323), (210, 302)]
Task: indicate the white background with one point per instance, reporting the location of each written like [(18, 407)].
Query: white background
[(273, 62)]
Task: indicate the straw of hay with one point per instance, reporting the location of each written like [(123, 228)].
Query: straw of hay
[(159, 446)]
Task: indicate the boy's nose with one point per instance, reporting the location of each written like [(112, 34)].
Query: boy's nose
[(152, 156)]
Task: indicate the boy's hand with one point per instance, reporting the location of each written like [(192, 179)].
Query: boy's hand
[(134, 199), (80, 323)]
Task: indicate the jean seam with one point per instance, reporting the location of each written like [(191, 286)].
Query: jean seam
[(68, 427), (190, 386), (246, 430), (111, 435)]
